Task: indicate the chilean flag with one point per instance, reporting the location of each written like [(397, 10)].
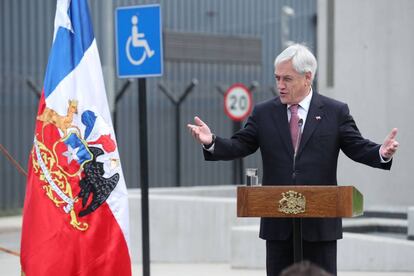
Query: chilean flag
[(75, 217)]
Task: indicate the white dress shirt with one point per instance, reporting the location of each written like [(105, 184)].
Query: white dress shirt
[(303, 109)]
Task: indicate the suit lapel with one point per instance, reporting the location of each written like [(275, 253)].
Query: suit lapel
[(280, 119), (313, 119)]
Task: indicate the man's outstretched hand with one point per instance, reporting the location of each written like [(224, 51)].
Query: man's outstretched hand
[(200, 131), (390, 145)]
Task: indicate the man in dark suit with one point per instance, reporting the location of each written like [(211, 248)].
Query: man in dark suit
[(299, 135)]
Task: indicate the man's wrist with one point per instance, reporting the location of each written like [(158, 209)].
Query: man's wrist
[(213, 140), (384, 159)]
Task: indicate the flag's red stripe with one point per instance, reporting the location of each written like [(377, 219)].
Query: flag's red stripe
[(51, 246)]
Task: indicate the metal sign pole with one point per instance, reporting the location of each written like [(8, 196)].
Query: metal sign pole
[(139, 55), (143, 137)]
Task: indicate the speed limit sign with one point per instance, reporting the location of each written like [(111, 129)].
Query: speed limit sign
[(238, 102)]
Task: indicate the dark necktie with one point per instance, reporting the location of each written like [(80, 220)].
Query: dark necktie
[(294, 124)]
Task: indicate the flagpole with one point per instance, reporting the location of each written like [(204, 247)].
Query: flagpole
[(12, 160), (8, 251), (143, 137)]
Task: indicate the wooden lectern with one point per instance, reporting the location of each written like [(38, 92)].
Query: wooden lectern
[(299, 202)]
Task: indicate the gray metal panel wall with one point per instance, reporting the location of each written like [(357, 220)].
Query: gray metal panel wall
[(209, 48), (25, 32), (27, 27)]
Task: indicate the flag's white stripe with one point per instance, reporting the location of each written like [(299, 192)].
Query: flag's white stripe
[(85, 84), (62, 18)]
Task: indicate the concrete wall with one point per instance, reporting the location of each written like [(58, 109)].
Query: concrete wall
[(191, 224), (356, 252), (199, 224), (373, 60)]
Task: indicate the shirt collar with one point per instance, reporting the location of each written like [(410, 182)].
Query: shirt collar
[(305, 103)]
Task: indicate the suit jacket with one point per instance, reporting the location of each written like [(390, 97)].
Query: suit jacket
[(328, 128)]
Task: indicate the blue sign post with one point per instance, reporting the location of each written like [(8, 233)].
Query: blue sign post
[(139, 55), (139, 41)]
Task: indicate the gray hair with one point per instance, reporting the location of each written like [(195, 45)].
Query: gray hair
[(302, 59)]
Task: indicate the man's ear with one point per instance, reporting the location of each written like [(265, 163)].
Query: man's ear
[(308, 77)]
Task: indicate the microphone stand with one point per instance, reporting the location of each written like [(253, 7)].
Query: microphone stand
[(297, 222)]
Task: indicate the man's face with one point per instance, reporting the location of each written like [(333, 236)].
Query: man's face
[(292, 86)]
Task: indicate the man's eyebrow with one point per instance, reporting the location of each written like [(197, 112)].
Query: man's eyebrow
[(283, 76)]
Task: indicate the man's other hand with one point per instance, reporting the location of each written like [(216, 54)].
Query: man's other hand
[(200, 131), (390, 145)]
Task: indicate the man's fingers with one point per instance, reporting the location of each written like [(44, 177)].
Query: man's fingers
[(198, 121), (195, 131), (391, 149), (393, 133), (395, 145), (199, 130)]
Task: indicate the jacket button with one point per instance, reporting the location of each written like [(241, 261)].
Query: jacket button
[(295, 173)]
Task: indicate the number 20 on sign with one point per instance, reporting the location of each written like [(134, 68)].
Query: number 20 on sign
[(238, 102)]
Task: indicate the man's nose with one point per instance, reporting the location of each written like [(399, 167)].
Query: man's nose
[(280, 84)]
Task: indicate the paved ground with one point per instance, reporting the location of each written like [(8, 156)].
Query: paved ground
[(10, 265)]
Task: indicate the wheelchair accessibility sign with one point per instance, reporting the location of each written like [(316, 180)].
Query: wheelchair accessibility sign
[(139, 41)]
